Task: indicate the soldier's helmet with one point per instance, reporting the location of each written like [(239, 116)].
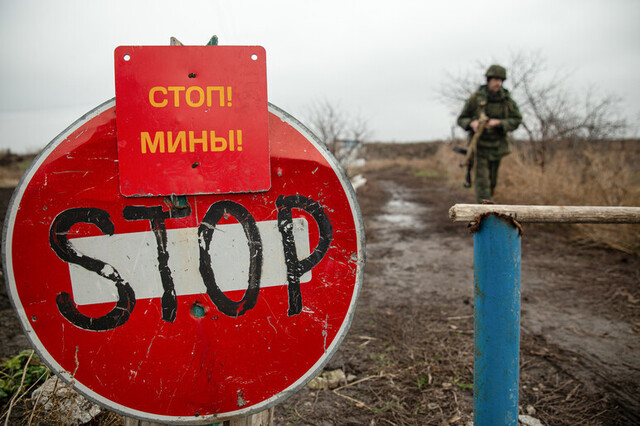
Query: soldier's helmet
[(496, 71)]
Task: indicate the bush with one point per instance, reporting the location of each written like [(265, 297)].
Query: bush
[(26, 364)]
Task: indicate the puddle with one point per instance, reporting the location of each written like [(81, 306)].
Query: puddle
[(398, 204), (402, 213), (398, 219)]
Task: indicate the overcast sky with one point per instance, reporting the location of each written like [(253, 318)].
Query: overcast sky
[(380, 60)]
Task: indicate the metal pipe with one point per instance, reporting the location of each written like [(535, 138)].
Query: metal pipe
[(497, 255)]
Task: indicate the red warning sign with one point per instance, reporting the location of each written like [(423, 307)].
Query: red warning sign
[(192, 119), (219, 308)]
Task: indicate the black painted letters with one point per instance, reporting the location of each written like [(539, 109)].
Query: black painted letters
[(65, 251), (205, 235), (156, 216), (296, 267)]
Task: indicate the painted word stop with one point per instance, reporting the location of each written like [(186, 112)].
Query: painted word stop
[(219, 308)]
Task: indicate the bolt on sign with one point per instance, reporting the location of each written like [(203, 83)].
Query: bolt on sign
[(221, 308), (192, 119)]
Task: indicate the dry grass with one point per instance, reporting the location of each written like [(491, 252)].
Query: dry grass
[(592, 174), (424, 159), (586, 177), (56, 403), (405, 373), (427, 166), (12, 167), (602, 174)]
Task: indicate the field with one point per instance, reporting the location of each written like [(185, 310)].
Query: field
[(408, 358)]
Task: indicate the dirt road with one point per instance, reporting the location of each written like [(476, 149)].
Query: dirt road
[(410, 347), (408, 358)]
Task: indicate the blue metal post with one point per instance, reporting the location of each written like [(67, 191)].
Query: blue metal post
[(496, 267)]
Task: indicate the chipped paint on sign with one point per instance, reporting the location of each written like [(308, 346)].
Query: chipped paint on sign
[(192, 352), (229, 255)]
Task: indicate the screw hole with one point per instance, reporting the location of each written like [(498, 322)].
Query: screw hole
[(197, 310), (126, 57), (192, 75), (254, 57)]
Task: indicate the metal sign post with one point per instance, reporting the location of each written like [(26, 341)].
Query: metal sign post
[(496, 265)]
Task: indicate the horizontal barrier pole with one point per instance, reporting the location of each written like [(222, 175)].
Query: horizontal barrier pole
[(548, 214)]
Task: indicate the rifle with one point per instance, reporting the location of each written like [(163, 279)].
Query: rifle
[(467, 175), (468, 161)]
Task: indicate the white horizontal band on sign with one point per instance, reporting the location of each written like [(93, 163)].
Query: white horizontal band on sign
[(135, 257)]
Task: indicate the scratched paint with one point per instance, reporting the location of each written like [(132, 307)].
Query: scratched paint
[(229, 254), (497, 249), (263, 341)]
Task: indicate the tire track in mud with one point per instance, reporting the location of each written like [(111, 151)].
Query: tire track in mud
[(580, 318), (418, 261), (442, 262), (421, 261)]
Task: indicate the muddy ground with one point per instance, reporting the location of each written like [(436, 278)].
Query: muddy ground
[(409, 354), (410, 346)]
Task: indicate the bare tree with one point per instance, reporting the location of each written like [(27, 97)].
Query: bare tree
[(341, 133), (358, 129), (328, 123), (550, 110)]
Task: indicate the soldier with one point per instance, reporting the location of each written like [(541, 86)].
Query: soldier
[(503, 116)]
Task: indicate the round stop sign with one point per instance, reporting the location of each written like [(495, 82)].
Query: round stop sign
[(183, 312)]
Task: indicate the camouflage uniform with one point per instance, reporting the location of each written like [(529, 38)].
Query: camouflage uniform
[(493, 143)]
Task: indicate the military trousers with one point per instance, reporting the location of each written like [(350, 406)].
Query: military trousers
[(486, 177)]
